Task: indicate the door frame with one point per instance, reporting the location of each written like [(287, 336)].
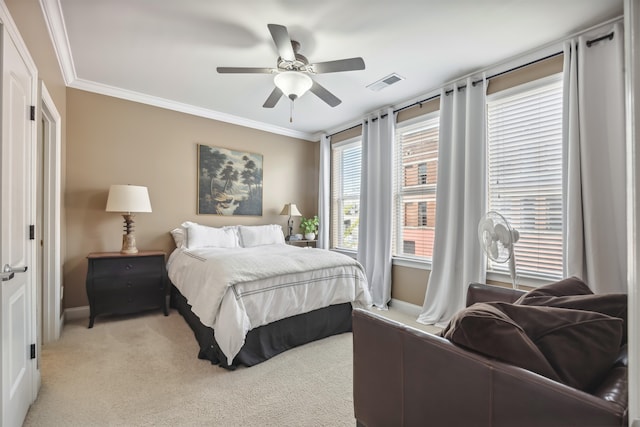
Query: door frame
[(51, 264), (632, 95)]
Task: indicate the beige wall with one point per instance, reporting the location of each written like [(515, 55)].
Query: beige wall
[(409, 284), (113, 141)]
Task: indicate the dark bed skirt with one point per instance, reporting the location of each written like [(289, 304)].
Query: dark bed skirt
[(266, 341)]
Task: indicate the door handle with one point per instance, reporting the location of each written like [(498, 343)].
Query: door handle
[(8, 272), (8, 269)]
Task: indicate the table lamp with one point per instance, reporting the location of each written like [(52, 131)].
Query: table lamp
[(128, 199), (292, 210)]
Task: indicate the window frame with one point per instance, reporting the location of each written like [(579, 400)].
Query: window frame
[(525, 279), (342, 145), (407, 260)]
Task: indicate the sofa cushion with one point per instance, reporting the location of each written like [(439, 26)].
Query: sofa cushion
[(569, 286), (575, 347), (614, 305), (484, 328), (580, 345)]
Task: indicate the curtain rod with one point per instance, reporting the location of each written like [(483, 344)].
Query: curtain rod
[(553, 55), (589, 43), (422, 101), (599, 39)]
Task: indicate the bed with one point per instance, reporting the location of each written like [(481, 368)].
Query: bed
[(248, 296)]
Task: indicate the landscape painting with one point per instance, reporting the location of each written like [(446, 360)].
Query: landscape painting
[(229, 182)]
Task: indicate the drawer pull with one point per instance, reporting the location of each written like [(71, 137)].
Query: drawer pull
[(129, 266), (129, 284)]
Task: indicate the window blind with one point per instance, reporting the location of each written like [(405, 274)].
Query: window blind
[(415, 178), (345, 194), (525, 174)]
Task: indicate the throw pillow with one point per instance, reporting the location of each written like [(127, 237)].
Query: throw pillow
[(484, 328), (568, 286), (258, 235), (580, 345), (202, 236), (179, 237), (614, 305)]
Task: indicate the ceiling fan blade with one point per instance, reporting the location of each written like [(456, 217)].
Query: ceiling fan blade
[(350, 64), (281, 38), (273, 99), (245, 70), (324, 94)]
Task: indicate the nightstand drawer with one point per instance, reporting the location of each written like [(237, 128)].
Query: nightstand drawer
[(130, 302), (111, 267), (140, 283)]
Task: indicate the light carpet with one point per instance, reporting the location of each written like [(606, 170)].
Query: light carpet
[(143, 371)]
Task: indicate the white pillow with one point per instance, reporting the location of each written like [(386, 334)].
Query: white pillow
[(258, 235), (179, 237), (202, 236)]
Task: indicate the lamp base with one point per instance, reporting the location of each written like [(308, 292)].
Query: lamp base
[(129, 244), (129, 238)]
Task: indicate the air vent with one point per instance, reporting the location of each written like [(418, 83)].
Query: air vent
[(384, 82)]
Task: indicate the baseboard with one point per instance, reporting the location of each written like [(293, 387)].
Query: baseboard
[(76, 313), (406, 307)]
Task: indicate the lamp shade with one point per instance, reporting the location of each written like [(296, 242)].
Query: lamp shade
[(128, 198), (290, 209), (293, 83)]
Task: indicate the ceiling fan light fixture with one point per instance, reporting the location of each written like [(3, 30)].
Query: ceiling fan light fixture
[(293, 84)]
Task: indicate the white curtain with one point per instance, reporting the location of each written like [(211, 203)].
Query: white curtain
[(460, 202), (594, 137), (376, 201), (324, 190)]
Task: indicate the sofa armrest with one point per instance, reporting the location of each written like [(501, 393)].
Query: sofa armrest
[(479, 292), (401, 373), (406, 377)]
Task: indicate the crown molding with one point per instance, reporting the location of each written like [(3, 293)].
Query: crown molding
[(58, 34), (129, 95)]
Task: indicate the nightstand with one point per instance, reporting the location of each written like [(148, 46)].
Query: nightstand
[(126, 283), (310, 243)]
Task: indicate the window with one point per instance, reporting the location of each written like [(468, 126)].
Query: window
[(415, 174), (409, 247), (525, 173), (422, 173), (345, 194), (422, 214)]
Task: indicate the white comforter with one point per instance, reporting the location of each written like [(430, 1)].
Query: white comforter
[(236, 290)]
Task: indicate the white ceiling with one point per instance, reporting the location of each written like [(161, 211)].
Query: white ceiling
[(165, 52)]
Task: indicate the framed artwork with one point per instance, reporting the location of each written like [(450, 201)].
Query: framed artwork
[(229, 182)]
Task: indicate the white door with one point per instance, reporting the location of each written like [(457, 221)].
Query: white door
[(16, 250)]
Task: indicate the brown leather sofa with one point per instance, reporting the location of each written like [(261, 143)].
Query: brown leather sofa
[(406, 377)]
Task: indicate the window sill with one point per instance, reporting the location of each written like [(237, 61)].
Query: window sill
[(528, 281), (348, 252), (411, 263), (400, 261)]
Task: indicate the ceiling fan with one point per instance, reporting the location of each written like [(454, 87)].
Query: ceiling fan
[(293, 70)]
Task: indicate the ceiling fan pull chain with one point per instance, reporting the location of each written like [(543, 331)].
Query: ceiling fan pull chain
[(291, 112)]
